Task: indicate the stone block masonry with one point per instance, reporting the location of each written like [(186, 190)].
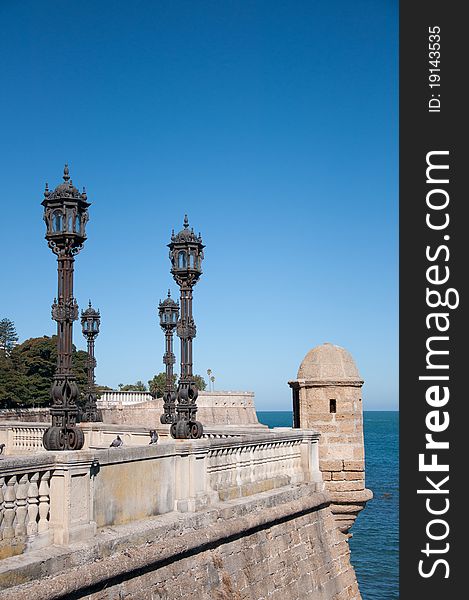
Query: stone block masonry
[(327, 396), (282, 544)]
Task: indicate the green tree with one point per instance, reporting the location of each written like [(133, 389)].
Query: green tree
[(157, 385), (138, 386), (200, 382), (13, 386), (27, 373), (103, 388), (8, 336)]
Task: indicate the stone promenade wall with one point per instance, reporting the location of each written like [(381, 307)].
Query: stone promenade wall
[(25, 415), (278, 545), (214, 408)]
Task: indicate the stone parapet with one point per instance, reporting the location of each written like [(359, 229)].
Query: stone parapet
[(77, 492), (283, 544)]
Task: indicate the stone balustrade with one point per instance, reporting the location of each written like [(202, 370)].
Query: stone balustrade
[(205, 399), (25, 505), (64, 497), (26, 438), (254, 466), (115, 398), (22, 438)]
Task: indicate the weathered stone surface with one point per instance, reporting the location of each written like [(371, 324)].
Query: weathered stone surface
[(281, 544), (332, 465), (345, 486), (327, 397), (354, 465)]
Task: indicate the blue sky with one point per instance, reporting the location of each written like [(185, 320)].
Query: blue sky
[(272, 124)]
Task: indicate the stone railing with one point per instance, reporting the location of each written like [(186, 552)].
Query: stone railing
[(25, 506), (115, 398), (205, 399), (252, 466), (63, 497), (22, 438), (26, 438)]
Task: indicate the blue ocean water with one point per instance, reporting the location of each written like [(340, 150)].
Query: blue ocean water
[(375, 541)]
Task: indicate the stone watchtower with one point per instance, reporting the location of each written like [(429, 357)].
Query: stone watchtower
[(327, 397)]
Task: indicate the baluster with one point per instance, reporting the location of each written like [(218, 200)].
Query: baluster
[(21, 505), (44, 502), (33, 504), (2, 480), (9, 508)]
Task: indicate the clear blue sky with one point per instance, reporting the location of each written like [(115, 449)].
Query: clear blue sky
[(273, 124)]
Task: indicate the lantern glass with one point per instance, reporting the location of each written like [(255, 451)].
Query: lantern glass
[(70, 221), (95, 326), (182, 263), (57, 221), (77, 224)]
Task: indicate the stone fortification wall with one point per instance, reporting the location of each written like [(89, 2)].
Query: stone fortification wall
[(281, 545), (214, 408), (25, 415)]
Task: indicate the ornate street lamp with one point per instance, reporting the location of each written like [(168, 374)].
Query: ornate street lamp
[(168, 311), (90, 320), (186, 253), (65, 215)]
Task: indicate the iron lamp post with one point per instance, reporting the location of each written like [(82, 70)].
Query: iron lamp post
[(168, 311), (65, 215), (186, 252), (90, 321)]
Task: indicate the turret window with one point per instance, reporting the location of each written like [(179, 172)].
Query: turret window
[(332, 406)]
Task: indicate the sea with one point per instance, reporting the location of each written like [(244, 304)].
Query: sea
[(375, 542)]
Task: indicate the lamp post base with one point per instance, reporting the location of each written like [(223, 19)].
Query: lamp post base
[(63, 438), (186, 430)]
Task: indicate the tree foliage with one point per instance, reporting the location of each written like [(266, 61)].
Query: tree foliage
[(138, 386), (200, 382), (157, 385), (26, 374), (8, 336)]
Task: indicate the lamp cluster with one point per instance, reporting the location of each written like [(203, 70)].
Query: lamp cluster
[(186, 252), (66, 216)]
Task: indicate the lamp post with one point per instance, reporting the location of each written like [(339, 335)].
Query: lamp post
[(168, 311), (186, 254), (90, 321), (65, 215)]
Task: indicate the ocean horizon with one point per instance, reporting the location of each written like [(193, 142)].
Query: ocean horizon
[(374, 544)]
